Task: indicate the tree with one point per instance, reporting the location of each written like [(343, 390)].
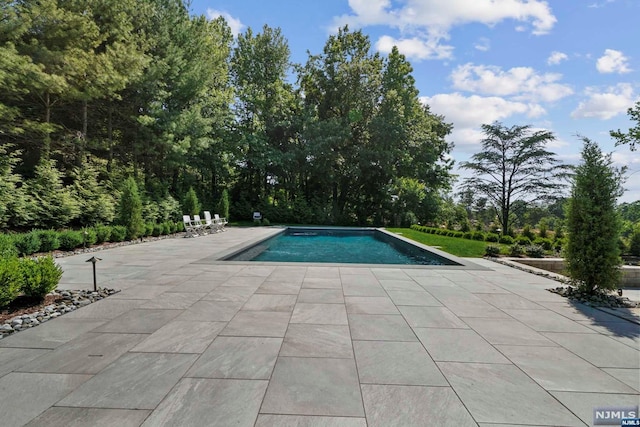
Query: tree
[(514, 165), (632, 137), (51, 204), (223, 205), (593, 224), (131, 209), (190, 204)]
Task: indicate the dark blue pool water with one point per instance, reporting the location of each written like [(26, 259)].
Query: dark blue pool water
[(339, 246)]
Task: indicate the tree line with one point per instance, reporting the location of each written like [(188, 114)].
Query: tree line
[(94, 91)]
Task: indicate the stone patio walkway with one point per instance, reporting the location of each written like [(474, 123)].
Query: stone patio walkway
[(194, 342)]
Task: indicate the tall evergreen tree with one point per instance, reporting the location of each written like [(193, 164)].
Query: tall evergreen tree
[(593, 224)]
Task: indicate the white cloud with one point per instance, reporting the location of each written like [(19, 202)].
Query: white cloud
[(605, 105), (556, 57), (415, 48), (468, 113), (236, 26), (613, 61), (522, 83), (431, 20), (483, 44), (597, 5)]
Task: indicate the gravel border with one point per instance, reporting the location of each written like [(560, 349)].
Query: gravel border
[(70, 301)]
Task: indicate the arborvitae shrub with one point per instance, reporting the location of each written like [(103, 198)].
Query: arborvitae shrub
[(190, 204), (300, 208), (634, 241), (491, 237), (103, 233), (506, 239), (28, 243), (49, 240), (70, 239), (131, 209), (118, 233), (39, 276), (157, 230), (148, 229)]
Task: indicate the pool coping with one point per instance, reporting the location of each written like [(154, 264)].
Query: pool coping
[(223, 257)]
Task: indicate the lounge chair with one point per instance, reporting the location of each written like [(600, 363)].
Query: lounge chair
[(221, 221), (202, 230), (257, 217), (191, 227), (211, 224)]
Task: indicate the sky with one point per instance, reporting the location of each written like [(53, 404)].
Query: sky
[(568, 66)]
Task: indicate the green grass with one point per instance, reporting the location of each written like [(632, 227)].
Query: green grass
[(453, 245)]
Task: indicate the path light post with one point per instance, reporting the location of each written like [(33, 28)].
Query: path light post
[(93, 260)]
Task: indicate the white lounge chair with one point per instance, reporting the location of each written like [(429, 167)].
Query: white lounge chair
[(199, 225), (257, 217), (192, 229), (221, 221), (211, 224)]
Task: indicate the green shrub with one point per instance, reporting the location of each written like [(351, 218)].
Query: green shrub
[(547, 244), (70, 239), (49, 240), (478, 235), (300, 207), (90, 236), (516, 250), (27, 243), (166, 228), (492, 250), (523, 240), (39, 276), (7, 246), (157, 230), (491, 237), (148, 228), (131, 209), (10, 279), (265, 221), (592, 252), (103, 233), (468, 235), (534, 251), (190, 204), (506, 239), (634, 241), (526, 232), (118, 233)]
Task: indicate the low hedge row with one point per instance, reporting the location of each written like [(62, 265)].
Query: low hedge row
[(546, 244), (37, 241)]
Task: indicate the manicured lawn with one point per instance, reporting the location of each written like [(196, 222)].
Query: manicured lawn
[(454, 245)]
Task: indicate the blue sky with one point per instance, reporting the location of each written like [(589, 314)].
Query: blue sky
[(569, 66)]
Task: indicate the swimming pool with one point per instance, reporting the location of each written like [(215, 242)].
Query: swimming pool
[(339, 245)]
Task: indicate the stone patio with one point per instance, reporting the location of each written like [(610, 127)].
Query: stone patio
[(191, 341)]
